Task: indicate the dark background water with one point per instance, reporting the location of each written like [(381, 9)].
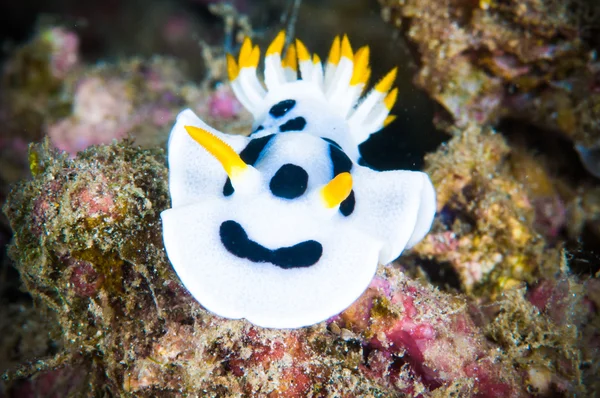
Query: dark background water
[(110, 30)]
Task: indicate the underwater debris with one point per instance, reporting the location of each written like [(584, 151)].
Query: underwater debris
[(134, 98), (129, 322)]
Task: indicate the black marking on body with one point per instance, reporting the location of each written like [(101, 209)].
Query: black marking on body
[(252, 152), (249, 155), (259, 128), (295, 124), (341, 163), (347, 205), (282, 107), (289, 182), (227, 188), (332, 142), (362, 162), (236, 241)]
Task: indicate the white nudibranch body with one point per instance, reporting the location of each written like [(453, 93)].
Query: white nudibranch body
[(284, 227)]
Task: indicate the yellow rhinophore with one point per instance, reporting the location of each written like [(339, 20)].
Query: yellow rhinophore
[(337, 190), (229, 159)]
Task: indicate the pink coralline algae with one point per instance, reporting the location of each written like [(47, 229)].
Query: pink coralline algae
[(102, 112), (65, 50), (420, 340), (223, 104)]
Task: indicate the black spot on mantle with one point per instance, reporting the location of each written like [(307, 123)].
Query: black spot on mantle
[(289, 182), (236, 241), (282, 107), (295, 124)]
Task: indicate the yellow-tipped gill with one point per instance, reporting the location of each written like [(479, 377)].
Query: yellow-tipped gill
[(335, 52), (346, 48), (233, 70), (337, 190), (303, 53), (361, 71), (276, 45), (232, 163), (385, 84), (389, 119), (290, 60), (390, 99)]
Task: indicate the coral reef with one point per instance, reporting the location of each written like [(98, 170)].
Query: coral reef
[(87, 245), (31, 85), (518, 225), (531, 60), (486, 226)]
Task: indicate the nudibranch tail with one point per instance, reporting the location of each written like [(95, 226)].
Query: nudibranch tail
[(342, 81), (337, 190)]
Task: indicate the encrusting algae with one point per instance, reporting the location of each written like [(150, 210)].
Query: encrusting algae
[(88, 246), (95, 258)]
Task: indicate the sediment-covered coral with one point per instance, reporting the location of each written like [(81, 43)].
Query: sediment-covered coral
[(30, 91), (89, 249), (88, 246), (532, 60), (485, 227)]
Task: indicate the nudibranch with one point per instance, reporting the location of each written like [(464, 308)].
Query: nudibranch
[(285, 227)]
